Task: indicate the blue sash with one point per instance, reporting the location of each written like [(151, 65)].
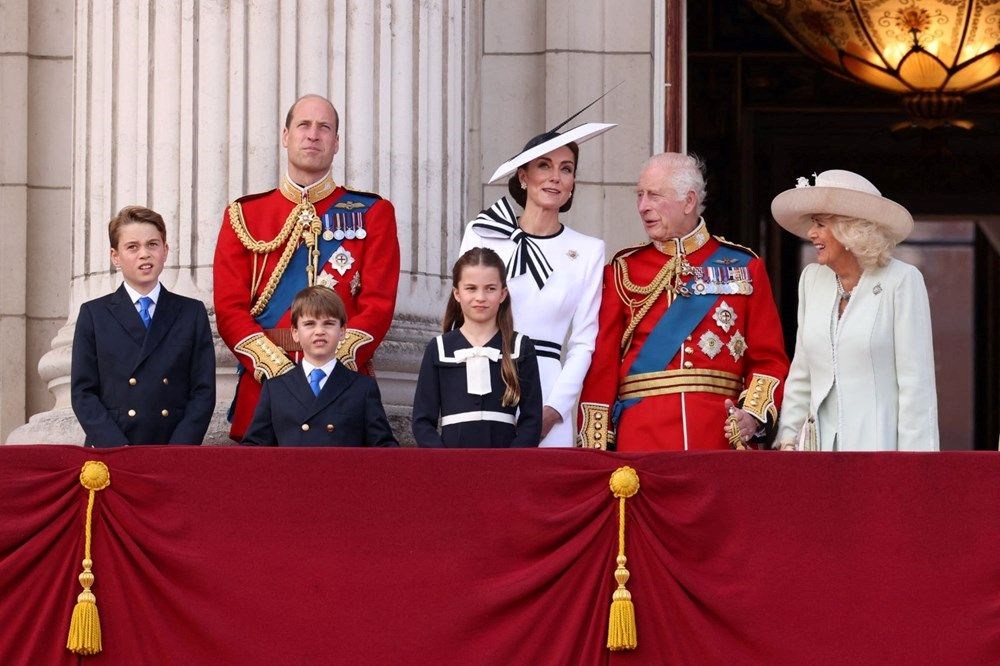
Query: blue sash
[(293, 280), (680, 319)]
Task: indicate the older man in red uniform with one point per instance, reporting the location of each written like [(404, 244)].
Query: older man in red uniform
[(307, 231), (689, 353)]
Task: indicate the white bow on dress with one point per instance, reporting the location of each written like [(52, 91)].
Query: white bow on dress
[(477, 367)]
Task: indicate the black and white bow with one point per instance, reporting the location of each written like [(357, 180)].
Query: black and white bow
[(499, 221)]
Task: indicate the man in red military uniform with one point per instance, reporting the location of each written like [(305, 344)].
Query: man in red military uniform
[(689, 352), (307, 231)]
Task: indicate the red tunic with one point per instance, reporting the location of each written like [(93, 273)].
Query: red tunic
[(368, 287), (736, 351)]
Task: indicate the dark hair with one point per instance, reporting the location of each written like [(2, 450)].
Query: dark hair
[(520, 194), (291, 111), (453, 317), (133, 215), (318, 301)]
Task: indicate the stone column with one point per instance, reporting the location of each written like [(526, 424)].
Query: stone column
[(178, 106), (541, 62), (36, 83)]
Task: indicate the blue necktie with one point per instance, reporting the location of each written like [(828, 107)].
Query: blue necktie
[(144, 303), (314, 378)]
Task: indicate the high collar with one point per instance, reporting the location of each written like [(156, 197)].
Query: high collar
[(690, 242), (318, 191)]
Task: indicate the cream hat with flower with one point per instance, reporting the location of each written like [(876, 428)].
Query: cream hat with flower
[(839, 192)]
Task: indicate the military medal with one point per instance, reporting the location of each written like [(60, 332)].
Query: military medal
[(349, 230), (724, 316), (342, 260), (326, 280), (361, 233), (327, 227), (339, 232)]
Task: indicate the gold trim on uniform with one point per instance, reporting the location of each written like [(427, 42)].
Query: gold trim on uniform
[(595, 428), (315, 192), (758, 399), (692, 241), (302, 223), (347, 350), (268, 358), (668, 382)]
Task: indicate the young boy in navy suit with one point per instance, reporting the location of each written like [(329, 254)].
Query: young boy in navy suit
[(143, 359), (320, 402)]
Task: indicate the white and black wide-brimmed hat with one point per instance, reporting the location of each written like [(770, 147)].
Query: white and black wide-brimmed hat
[(548, 141), (839, 192)]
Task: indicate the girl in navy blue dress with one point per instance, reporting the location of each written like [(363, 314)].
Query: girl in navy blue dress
[(478, 385)]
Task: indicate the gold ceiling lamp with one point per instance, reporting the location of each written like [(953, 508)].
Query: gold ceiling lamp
[(932, 52)]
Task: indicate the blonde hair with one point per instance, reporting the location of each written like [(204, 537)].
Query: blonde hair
[(865, 239)]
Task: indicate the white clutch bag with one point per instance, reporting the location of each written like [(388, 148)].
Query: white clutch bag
[(808, 440)]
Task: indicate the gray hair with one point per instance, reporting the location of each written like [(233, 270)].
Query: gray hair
[(685, 173), (865, 239)]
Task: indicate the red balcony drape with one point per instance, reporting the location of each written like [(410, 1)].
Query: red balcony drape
[(294, 556)]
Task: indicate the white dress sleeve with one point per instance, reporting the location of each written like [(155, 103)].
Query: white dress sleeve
[(583, 334), (798, 387), (917, 424)]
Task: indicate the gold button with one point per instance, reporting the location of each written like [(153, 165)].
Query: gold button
[(598, 416), (689, 337), (165, 413), (597, 426), (305, 427), (132, 381), (688, 364), (166, 381), (329, 427), (131, 412), (688, 350), (597, 435)]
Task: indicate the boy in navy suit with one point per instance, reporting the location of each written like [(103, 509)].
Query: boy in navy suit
[(143, 359), (321, 402)]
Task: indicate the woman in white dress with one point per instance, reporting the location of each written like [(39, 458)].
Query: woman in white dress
[(862, 378), (553, 272)]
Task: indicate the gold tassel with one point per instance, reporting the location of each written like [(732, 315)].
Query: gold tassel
[(621, 623), (85, 625)]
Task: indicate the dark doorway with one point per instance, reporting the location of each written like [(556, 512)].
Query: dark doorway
[(761, 115)]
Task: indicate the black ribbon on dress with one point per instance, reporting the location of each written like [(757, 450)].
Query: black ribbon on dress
[(499, 221)]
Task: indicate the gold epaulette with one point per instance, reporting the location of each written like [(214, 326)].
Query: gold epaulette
[(723, 240), (758, 398), (595, 428), (269, 359), (347, 350)]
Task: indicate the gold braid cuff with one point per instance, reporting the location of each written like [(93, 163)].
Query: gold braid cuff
[(269, 359), (347, 350), (595, 430), (758, 398)]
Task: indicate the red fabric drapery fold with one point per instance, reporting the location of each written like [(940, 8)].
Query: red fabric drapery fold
[(229, 555)]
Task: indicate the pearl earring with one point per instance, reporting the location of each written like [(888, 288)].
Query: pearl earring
[(523, 186)]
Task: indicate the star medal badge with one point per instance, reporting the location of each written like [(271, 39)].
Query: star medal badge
[(356, 284), (326, 280), (724, 316), (342, 260)]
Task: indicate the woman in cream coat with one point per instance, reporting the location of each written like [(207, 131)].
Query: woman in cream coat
[(862, 378)]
